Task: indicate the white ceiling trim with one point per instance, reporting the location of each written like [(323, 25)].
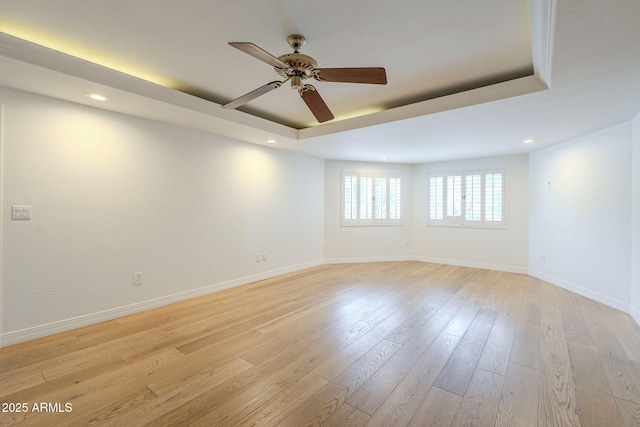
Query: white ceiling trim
[(495, 92), (34, 54), (543, 24)]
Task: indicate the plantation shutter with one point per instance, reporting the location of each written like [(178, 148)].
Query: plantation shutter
[(395, 198), (494, 198), (380, 198), (371, 199), (366, 198), (436, 199), (454, 199), (471, 199), (350, 197)]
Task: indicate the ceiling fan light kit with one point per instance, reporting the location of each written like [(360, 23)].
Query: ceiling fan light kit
[(297, 67)]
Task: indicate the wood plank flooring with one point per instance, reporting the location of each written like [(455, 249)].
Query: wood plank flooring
[(383, 344)]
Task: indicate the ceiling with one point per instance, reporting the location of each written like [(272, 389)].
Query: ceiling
[(465, 78)]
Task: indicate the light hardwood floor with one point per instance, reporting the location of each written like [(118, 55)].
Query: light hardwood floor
[(402, 344)]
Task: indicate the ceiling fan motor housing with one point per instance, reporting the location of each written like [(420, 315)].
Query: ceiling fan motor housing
[(302, 67)]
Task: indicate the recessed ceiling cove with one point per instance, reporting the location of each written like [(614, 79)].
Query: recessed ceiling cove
[(429, 48)]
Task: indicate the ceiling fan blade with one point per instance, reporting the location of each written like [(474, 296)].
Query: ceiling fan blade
[(252, 95), (373, 75), (259, 53), (316, 104)]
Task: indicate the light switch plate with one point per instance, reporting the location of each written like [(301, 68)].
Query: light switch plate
[(20, 212)]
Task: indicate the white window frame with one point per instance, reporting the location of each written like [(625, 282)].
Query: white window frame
[(370, 199), (450, 198)]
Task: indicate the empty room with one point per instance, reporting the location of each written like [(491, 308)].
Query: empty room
[(337, 213)]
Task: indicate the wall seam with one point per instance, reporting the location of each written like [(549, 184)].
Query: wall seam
[(2, 120)]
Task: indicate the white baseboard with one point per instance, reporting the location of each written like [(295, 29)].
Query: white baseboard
[(114, 313), (472, 264), (635, 315), (356, 260), (585, 292)]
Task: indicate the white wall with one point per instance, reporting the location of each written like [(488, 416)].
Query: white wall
[(504, 250), (580, 215), (365, 244), (635, 225), (113, 195)]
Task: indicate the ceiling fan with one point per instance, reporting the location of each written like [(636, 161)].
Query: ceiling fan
[(296, 67)]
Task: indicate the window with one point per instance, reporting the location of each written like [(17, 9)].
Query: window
[(471, 199), (371, 199)]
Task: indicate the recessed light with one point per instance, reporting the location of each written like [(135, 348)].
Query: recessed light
[(528, 141), (98, 97), (271, 141), (384, 158)]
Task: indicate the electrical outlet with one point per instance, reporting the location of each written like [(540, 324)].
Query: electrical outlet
[(137, 279), (258, 257), (264, 256), (542, 257)]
